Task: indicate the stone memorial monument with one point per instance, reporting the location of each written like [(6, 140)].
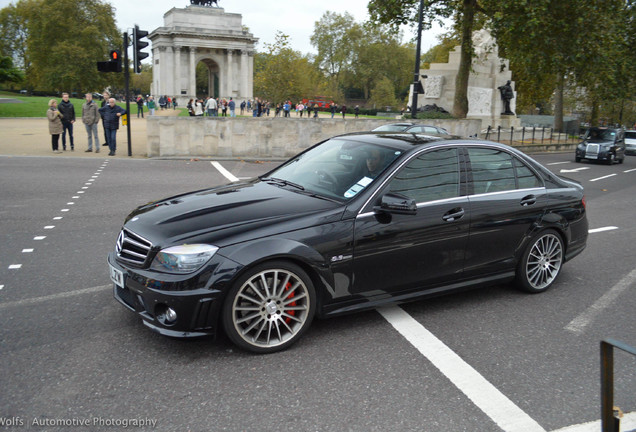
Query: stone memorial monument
[(197, 33), (489, 73)]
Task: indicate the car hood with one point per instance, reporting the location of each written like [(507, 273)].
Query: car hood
[(600, 142), (229, 214)]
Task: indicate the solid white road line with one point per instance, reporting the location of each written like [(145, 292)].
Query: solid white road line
[(491, 401), (628, 422), (604, 177), (36, 300), (578, 324), (597, 230), (228, 175)]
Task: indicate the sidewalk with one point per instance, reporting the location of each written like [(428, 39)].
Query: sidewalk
[(30, 137)]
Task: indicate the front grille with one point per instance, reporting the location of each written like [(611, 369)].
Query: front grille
[(591, 151), (132, 248)]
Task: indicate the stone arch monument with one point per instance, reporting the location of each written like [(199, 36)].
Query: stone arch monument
[(199, 33)]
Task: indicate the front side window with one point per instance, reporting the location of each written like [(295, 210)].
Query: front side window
[(429, 177)]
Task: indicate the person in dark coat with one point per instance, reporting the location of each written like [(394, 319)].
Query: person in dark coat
[(110, 117), (67, 110)]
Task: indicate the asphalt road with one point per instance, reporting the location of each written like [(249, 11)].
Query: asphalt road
[(72, 358)]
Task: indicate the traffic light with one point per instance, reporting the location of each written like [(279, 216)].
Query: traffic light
[(113, 65), (138, 45)]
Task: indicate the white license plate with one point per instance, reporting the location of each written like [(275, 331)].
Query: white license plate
[(116, 276), (591, 156)]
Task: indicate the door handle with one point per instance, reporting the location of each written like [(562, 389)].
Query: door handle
[(453, 214), (528, 200)]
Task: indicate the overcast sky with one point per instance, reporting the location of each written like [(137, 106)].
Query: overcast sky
[(295, 18)]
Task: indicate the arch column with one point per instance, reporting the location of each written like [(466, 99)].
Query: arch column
[(243, 89), (177, 71), (193, 73), (229, 81)]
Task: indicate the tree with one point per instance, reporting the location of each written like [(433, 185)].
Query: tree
[(333, 37), (464, 12), (8, 73), (284, 74), (551, 41), (60, 42), (383, 93)]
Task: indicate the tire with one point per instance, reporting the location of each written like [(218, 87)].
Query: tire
[(269, 308), (541, 262)]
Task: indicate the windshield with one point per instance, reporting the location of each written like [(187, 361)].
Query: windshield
[(630, 134), (601, 134), (391, 128), (337, 169)]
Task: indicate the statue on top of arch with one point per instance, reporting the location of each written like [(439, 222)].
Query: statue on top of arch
[(205, 2)]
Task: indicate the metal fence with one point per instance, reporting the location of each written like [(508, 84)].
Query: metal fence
[(531, 136)]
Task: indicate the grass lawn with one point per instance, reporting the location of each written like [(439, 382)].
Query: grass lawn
[(36, 106)]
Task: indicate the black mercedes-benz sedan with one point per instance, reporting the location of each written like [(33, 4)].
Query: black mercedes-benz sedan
[(355, 222)]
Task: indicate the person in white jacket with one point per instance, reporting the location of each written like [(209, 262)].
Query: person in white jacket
[(211, 107)]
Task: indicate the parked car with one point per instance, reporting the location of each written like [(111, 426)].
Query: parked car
[(630, 142), (603, 145), (411, 128), (353, 223)]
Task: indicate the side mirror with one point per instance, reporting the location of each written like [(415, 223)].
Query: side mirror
[(397, 204)]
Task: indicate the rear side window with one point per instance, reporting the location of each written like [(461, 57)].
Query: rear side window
[(495, 171)]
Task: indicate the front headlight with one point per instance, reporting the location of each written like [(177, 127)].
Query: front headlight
[(183, 259)]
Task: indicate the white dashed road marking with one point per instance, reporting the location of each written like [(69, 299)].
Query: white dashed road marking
[(602, 178), (597, 230), (484, 395), (39, 238), (36, 300), (578, 324), (559, 163), (27, 250), (228, 175), (630, 170), (15, 266)]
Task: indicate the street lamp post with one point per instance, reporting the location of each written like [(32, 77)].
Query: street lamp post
[(416, 74)]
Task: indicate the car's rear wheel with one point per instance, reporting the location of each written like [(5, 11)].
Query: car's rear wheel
[(541, 262), (269, 307)]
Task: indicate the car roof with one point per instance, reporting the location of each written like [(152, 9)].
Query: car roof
[(403, 140)]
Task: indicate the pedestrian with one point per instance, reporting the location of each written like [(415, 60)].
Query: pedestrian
[(232, 105), (162, 102), (224, 108), (90, 118), (315, 111), (343, 110), (140, 106), (277, 111), (67, 110), (198, 108), (55, 125), (308, 109), (333, 109), (210, 107), (168, 102), (190, 107), (286, 108), (151, 106), (110, 116), (174, 103), (105, 97), (356, 110), (243, 104), (299, 109)]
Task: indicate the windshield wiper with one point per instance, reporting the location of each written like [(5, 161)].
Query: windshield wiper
[(282, 182)]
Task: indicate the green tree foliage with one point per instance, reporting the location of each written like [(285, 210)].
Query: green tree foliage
[(356, 56), (284, 74), (383, 94), (465, 14), (8, 73), (60, 42)]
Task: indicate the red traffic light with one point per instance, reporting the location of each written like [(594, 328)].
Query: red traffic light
[(114, 55)]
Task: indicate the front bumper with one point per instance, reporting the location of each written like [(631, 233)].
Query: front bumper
[(603, 155), (196, 298)]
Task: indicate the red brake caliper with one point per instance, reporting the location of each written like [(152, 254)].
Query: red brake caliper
[(291, 296)]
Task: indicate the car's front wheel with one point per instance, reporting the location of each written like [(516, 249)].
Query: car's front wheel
[(269, 307), (541, 262)]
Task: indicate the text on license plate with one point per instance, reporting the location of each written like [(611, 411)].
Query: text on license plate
[(116, 276)]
